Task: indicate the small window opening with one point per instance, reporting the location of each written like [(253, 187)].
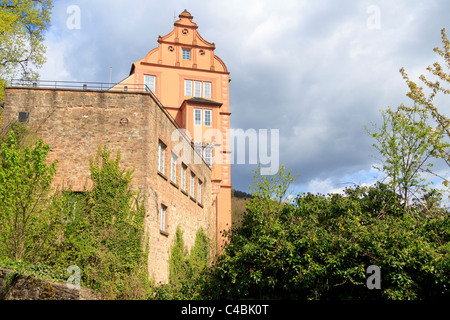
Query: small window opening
[(24, 117)]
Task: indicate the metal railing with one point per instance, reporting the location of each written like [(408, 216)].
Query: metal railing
[(104, 87), (59, 84)]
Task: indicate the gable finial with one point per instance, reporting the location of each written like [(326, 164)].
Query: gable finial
[(186, 14)]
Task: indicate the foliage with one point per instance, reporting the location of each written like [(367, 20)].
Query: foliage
[(239, 202), (240, 194), (186, 270), (407, 144), (178, 261), (29, 219), (319, 247), (104, 232), (37, 270), (424, 97), (24, 136), (43, 232), (24, 23)]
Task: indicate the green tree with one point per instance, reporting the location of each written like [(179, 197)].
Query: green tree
[(319, 247), (28, 218), (424, 96), (186, 269), (22, 28), (116, 216), (104, 232), (407, 144)]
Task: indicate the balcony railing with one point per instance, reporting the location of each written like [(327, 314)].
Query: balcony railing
[(78, 85), (111, 87)]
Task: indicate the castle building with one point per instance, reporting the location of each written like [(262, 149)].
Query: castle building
[(192, 84), (170, 120)]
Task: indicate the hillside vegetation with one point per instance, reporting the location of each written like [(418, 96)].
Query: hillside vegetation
[(239, 202)]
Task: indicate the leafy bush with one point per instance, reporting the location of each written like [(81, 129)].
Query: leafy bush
[(104, 233), (44, 232), (319, 247), (29, 215), (186, 269)]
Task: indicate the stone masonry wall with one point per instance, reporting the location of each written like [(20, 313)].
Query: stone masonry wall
[(75, 122)]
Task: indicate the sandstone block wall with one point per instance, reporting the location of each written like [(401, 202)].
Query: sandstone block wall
[(75, 122)]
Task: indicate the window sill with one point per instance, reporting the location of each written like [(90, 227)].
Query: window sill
[(162, 175), (164, 233), (174, 184), (185, 193), (200, 205), (192, 198)]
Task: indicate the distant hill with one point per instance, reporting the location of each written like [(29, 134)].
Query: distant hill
[(239, 200), (240, 194)]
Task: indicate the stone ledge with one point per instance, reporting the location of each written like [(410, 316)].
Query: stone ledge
[(29, 288)]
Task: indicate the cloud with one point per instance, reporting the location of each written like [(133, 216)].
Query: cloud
[(312, 69), (363, 178), (326, 186)]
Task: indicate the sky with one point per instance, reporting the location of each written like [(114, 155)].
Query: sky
[(316, 71)]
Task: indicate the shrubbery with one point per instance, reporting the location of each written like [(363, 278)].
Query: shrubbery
[(319, 247), (186, 269), (45, 231), (104, 233), (303, 247)]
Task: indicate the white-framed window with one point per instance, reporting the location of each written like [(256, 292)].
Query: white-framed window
[(193, 88), (199, 193), (192, 185), (206, 89), (188, 88), (197, 117), (207, 156), (198, 148), (173, 168), (183, 176), (197, 89), (163, 217), (207, 118), (161, 156), (186, 54), (150, 83)]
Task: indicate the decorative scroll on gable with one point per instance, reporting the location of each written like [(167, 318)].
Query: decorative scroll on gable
[(185, 47)]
